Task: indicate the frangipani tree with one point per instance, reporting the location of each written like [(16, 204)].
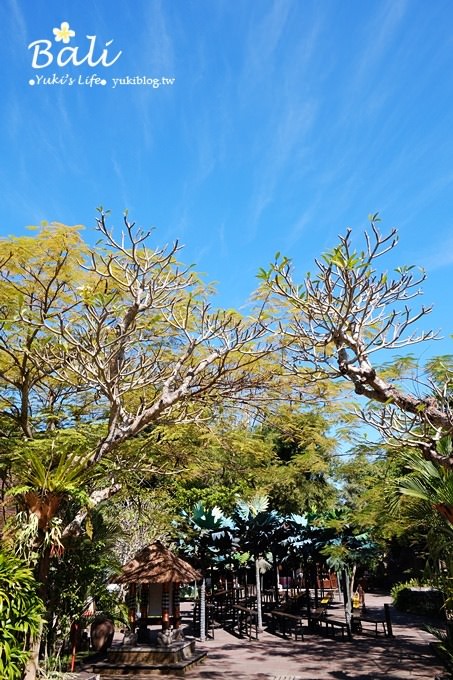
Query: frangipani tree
[(336, 321), (121, 331), (147, 340), (120, 336)]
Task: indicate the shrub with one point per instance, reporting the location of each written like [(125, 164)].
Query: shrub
[(21, 613), (411, 597)]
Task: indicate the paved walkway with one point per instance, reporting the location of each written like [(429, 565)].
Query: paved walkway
[(366, 657), (407, 655)]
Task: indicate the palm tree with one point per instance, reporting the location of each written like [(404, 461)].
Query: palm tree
[(303, 541), (429, 483), (345, 549), (205, 536), (51, 470), (255, 528), (431, 487)]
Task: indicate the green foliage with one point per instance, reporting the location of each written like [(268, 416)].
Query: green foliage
[(60, 415), (365, 480), (53, 668), (427, 482), (81, 574), (298, 478), (440, 369), (256, 526), (346, 545), (21, 613), (186, 496), (205, 534), (416, 598), (26, 539), (54, 463), (213, 463)]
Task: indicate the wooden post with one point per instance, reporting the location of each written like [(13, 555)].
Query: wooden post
[(144, 599), (176, 606), (388, 620), (73, 636), (131, 604), (165, 607)]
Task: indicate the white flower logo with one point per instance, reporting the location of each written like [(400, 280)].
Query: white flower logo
[(64, 33)]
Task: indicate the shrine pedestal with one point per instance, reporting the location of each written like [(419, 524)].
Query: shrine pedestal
[(143, 661)]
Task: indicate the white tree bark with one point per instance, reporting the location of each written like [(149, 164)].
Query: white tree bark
[(203, 610), (259, 608)]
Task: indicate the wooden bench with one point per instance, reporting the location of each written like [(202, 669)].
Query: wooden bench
[(287, 622), (245, 620), (315, 616), (336, 623), (360, 620)]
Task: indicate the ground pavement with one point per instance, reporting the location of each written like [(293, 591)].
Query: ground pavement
[(317, 657)]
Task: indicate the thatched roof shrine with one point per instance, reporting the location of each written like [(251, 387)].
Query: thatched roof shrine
[(157, 564)]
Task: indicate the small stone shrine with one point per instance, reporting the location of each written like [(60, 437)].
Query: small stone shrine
[(155, 643)]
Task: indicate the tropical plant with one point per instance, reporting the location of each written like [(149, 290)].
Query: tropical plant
[(204, 536), (81, 575), (347, 548), (21, 615), (425, 494), (428, 482), (305, 537), (256, 527)]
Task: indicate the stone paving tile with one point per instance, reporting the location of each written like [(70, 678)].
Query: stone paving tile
[(406, 656)]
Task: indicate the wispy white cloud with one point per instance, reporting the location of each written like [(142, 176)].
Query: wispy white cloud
[(378, 36), (368, 88), (424, 197), (304, 222), (292, 125), (440, 254), (264, 39), (155, 57), (122, 183), (17, 31), (284, 91)]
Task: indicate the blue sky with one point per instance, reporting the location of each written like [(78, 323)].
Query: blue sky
[(287, 121)]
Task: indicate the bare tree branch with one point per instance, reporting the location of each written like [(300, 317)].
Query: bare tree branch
[(74, 528), (338, 318), (143, 335)]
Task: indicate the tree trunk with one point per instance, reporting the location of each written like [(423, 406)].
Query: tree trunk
[(307, 585), (315, 575), (203, 610), (259, 611), (276, 581), (347, 586), (31, 668), (351, 585)]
